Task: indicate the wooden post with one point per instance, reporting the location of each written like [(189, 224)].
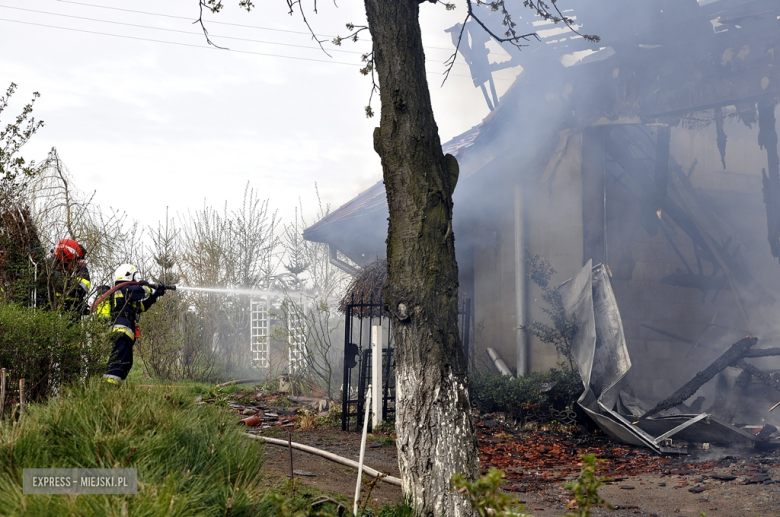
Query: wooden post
[(2, 391), (289, 449), (21, 398), (594, 195)]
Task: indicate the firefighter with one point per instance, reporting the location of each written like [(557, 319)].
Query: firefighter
[(103, 309), (69, 282), (127, 303)]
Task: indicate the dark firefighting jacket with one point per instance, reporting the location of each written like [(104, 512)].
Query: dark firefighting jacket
[(69, 285), (127, 304)]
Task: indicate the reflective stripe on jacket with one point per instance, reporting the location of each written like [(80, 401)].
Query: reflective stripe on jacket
[(122, 329), (127, 304)]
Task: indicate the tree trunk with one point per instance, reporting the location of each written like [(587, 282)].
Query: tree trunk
[(435, 433)]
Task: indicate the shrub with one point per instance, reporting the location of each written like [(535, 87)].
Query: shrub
[(49, 349), (585, 488), (555, 389), (487, 500), (564, 326), (174, 344), (485, 497)]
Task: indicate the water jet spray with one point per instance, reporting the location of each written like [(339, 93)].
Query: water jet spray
[(224, 290)]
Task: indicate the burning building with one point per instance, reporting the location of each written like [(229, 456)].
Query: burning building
[(653, 152)]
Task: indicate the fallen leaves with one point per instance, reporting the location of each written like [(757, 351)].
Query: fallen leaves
[(533, 461)]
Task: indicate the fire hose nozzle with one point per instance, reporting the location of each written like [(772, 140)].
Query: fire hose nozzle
[(159, 286)]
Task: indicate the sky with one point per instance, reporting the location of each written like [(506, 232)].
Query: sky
[(148, 117)]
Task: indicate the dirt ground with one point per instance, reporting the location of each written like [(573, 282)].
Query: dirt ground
[(717, 482), (331, 476), (651, 486)]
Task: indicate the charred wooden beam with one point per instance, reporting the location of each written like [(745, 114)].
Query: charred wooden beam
[(668, 334), (721, 136), (729, 357), (767, 139), (762, 352), (734, 395), (594, 195), (766, 432), (661, 177), (722, 389), (758, 374), (702, 282)]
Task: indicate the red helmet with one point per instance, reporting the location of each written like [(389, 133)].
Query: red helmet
[(67, 250)]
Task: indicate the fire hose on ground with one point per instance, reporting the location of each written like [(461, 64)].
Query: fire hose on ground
[(330, 456)]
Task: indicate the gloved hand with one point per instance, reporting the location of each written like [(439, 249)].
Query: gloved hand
[(160, 291)]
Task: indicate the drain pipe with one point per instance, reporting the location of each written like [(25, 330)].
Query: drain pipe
[(336, 261), (520, 337), (500, 364)]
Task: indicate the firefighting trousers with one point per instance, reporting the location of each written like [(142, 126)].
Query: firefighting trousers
[(121, 360)]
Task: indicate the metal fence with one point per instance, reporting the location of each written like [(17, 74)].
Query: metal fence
[(366, 320)]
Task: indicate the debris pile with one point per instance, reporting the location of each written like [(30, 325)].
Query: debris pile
[(261, 411), (600, 350)]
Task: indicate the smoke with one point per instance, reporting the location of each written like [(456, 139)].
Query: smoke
[(685, 242)]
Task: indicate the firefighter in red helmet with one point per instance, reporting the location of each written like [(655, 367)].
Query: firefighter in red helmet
[(69, 282)]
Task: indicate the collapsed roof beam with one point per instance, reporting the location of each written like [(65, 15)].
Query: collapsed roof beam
[(336, 261)]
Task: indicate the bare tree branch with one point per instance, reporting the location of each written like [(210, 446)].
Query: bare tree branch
[(368, 59), (291, 5), (214, 7), (540, 7), (511, 35), (451, 60)]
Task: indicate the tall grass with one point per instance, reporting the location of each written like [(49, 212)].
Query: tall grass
[(191, 460)]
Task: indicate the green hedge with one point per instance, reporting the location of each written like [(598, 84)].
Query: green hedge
[(48, 349), (492, 392)]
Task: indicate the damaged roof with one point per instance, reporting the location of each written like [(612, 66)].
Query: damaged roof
[(369, 209), (686, 58)]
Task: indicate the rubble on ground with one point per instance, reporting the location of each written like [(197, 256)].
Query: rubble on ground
[(260, 411), (535, 461)]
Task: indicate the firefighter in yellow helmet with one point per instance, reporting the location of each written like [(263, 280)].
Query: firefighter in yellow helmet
[(126, 304)]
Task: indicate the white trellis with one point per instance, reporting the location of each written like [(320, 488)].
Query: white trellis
[(296, 338), (259, 333)]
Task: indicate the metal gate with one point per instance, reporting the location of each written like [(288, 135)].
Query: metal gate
[(364, 318), (361, 317)]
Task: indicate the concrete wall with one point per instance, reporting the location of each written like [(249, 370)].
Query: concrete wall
[(494, 287), (553, 230)]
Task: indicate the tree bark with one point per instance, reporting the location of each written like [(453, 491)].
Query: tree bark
[(433, 416)]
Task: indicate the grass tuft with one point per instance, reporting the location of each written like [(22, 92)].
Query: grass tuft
[(191, 460)]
